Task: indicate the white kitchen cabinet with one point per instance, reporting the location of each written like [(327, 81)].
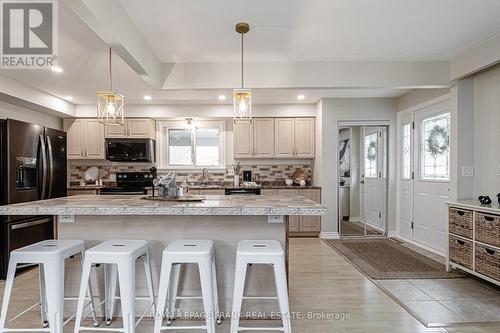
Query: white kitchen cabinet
[(243, 139), (85, 138), (263, 137), (294, 137), (303, 225), (304, 137), (140, 128), (284, 136)]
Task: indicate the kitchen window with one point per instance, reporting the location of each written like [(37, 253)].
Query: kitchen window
[(200, 145)]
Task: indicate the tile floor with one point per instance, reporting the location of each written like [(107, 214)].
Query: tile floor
[(321, 282)]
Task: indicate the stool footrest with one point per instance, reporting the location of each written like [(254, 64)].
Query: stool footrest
[(189, 297), (202, 327), (26, 330), (261, 329), (260, 297), (101, 329)]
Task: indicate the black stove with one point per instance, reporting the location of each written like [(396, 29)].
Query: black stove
[(130, 183)]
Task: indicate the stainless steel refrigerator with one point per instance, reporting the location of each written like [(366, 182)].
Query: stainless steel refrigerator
[(32, 167)]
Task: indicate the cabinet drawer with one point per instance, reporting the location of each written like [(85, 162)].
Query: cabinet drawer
[(488, 229), (461, 222), (461, 252), (488, 261)]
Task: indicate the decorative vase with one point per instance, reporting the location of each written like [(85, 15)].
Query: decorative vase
[(236, 180)]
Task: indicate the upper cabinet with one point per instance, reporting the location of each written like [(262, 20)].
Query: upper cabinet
[(140, 128), (85, 139), (275, 138)]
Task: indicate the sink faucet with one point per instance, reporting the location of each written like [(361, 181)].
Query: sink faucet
[(204, 176)]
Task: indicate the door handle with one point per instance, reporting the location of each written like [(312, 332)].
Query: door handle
[(29, 224), (51, 166), (362, 182), (44, 166)]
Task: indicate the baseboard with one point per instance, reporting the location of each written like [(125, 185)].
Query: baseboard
[(425, 247), (329, 235), (375, 227), (393, 233), (354, 219)]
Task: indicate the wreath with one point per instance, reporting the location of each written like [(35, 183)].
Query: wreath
[(371, 151), (438, 141)]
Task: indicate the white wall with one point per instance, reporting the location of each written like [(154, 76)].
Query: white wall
[(30, 116), (419, 96), (487, 132), (331, 111)]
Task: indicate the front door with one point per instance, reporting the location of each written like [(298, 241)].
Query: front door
[(432, 176)]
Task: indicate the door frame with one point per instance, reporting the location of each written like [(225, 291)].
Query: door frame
[(385, 206), (402, 117)]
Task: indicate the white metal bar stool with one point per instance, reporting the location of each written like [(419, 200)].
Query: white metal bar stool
[(260, 252), (200, 252), (119, 258), (50, 255)]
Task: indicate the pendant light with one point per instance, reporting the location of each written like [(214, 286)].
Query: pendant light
[(242, 97), (110, 103)]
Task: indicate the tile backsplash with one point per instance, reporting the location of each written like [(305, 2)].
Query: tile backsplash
[(268, 173)]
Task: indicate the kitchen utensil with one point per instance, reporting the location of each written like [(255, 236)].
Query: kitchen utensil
[(91, 174)]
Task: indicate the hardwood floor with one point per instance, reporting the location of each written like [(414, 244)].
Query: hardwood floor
[(321, 282)]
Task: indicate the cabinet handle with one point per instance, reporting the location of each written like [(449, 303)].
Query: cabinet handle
[(461, 242), (490, 252), (461, 213), (489, 218)]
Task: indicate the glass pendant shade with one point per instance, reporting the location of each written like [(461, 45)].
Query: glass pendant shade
[(242, 103), (110, 107)]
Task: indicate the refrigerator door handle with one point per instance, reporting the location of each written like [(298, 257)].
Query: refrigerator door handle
[(44, 167), (51, 167)]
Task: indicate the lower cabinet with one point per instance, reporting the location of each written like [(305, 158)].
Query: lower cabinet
[(305, 226), (216, 191), (473, 244), (70, 192)]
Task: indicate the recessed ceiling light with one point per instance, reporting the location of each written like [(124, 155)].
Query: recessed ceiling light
[(68, 98), (56, 69), (147, 97), (222, 97), (300, 97)]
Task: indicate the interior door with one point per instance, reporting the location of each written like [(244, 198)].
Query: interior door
[(432, 178), (406, 175), (373, 185)]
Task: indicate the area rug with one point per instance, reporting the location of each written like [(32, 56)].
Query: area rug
[(384, 259)]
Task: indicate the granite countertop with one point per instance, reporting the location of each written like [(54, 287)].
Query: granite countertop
[(474, 204), (86, 187), (270, 186), (135, 205)]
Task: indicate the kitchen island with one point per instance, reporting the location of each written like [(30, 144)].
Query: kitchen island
[(223, 219)]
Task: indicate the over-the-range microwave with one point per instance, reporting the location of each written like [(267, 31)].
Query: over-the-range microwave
[(130, 150)]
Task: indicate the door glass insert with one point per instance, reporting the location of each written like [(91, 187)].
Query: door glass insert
[(406, 151), (371, 151), (435, 148)]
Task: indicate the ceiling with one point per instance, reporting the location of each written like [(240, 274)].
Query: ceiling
[(314, 30), (282, 30)]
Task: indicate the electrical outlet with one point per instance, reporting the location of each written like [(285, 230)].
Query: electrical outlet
[(275, 219), (67, 218)]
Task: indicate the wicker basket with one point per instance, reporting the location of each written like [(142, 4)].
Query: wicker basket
[(461, 222), (488, 229), (461, 252), (488, 261)]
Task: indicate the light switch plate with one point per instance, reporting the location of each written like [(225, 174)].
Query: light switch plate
[(467, 171), (66, 218), (275, 219)]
